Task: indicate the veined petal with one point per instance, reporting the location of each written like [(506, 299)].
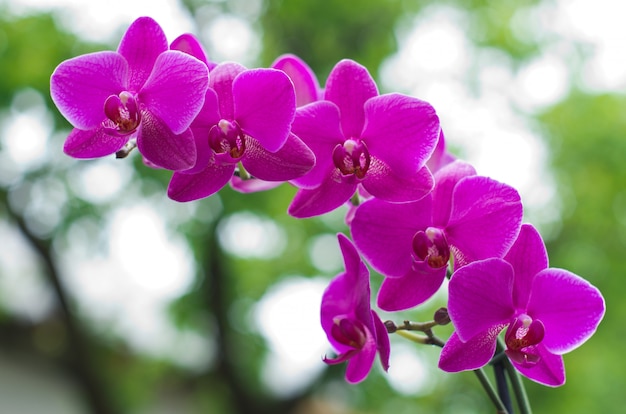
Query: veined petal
[(221, 81), (317, 124), (175, 90), (485, 219), (570, 308), (293, 160), (331, 194), (190, 44), (382, 182), (383, 233), (93, 143), (200, 127), (349, 86), (475, 353), (480, 297), (189, 187), (400, 130), (447, 178), (142, 43), (550, 370), (304, 80), (265, 104), (80, 86), (410, 290), (162, 147), (528, 257)]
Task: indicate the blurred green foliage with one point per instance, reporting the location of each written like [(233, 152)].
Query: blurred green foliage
[(585, 133)]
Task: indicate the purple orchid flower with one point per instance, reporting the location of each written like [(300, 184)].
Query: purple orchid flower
[(142, 91), (353, 328), (548, 312), (246, 120), (440, 157), (304, 80), (466, 216), (361, 138)]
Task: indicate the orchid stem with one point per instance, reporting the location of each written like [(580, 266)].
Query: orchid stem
[(516, 382), (495, 399), (243, 173)]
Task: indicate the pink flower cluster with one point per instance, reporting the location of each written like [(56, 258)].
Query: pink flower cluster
[(416, 214)]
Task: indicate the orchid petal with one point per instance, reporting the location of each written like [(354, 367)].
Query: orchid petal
[(93, 143), (440, 157), (175, 90), (161, 146), (447, 178), (550, 370), (412, 289), (480, 297), (252, 185), (400, 130), (382, 340), (528, 257), (328, 196), (485, 219), (221, 81), (293, 160), (189, 187), (80, 86), (265, 105), (475, 353), (361, 364), (317, 124), (382, 182), (190, 44), (570, 308), (349, 86), (386, 241), (142, 43), (304, 81), (201, 125)]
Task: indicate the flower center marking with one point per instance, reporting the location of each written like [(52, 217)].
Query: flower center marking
[(521, 337), (432, 247), (352, 158), (123, 114), (227, 138)]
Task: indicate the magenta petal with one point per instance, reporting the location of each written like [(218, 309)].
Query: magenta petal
[(79, 86), (265, 104), (410, 290), (190, 44), (317, 125), (175, 90), (570, 308), (361, 364), (550, 370), (475, 353), (189, 187), (164, 148), (304, 81), (93, 143), (382, 340), (252, 185), (349, 86), (327, 197), (485, 219), (480, 297), (401, 131), (528, 257), (383, 183), (221, 81), (142, 43), (293, 160), (447, 178), (384, 239), (440, 157), (201, 125)]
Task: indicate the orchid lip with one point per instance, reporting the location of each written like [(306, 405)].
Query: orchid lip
[(521, 338), (123, 115), (228, 141), (352, 158), (432, 247)]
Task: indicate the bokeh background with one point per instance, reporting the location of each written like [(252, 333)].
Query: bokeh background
[(114, 299)]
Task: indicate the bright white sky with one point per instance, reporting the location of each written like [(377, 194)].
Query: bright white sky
[(132, 280)]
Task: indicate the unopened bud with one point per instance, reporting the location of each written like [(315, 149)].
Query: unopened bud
[(391, 327), (441, 316)]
